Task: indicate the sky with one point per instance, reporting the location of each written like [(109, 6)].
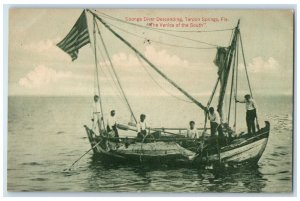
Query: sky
[(38, 67)]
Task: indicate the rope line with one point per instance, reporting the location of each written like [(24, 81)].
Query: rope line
[(158, 83), (232, 86), (245, 66), (111, 74), (116, 75), (236, 83), (97, 72), (257, 124), (213, 92), (114, 87)]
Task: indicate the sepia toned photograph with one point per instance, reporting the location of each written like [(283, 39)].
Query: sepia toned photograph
[(150, 100)]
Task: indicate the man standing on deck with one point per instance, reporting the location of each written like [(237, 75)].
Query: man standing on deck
[(141, 127), (192, 131), (215, 125), (250, 112), (215, 122), (112, 123), (96, 117)]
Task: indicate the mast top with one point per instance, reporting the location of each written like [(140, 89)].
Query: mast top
[(238, 24)]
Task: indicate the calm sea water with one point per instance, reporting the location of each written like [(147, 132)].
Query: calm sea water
[(46, 135)]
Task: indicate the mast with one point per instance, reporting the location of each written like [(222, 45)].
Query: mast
[(150, 64), (97, 75), (225, 69)]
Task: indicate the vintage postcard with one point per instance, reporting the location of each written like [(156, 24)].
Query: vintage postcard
[(150, 100)]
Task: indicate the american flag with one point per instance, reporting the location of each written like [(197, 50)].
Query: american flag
[(76, 38)]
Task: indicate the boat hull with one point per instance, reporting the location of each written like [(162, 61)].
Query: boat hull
[(249, 153), (245, 149)]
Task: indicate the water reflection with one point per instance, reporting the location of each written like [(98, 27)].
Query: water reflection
[(242, 179), (115, 177)]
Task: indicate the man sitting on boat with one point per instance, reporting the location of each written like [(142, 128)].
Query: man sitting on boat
[(96, 117), (192, 131), (141, 127), (250, 112), (112, 124)]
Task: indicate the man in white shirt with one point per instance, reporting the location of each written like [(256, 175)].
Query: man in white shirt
[(250, 112), (192, 131), (112, 123), (96, 116), (215, 122), (141, 127)]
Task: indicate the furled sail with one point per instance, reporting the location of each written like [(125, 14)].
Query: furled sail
[(220, 59), (224, 60), (76, 38)]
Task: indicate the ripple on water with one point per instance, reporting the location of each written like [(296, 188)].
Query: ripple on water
[(31, 163), (39, 179), (283, 172)]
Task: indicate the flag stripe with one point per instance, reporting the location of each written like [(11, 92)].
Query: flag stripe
[(73, 37), (84, 42), (76, 38), (69, 36)]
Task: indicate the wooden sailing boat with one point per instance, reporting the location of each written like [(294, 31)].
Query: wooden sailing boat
[(168, 145)]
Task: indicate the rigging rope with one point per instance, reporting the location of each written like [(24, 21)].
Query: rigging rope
[(119, 93), (159, 42), (232, 86), (231, 37), (213, 92), (257, 125), (115, 87), (160, 31), (152, 28), (115, 73), (97, 73), (158, 83), (95, 83), (236, 83), (245, 66)]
